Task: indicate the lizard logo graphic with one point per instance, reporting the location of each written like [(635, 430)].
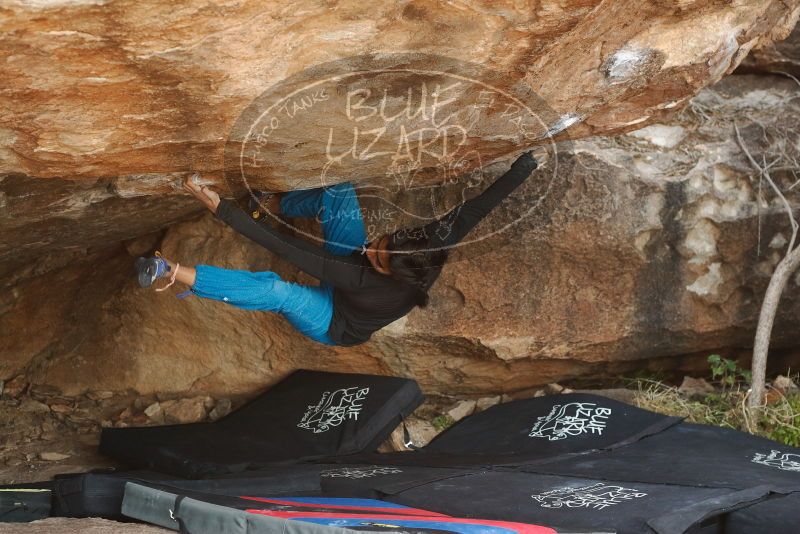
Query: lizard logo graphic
[(784, 461), (333, 409), (571, 419)]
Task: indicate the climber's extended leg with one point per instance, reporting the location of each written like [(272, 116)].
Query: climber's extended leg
[(185, 274), (337, 209), (308, 308)]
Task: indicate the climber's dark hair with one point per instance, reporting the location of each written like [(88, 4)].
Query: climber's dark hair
[(411, 260)]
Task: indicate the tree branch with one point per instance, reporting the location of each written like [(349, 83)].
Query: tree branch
[(764, 172)]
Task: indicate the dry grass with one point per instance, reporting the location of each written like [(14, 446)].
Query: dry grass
[(779, 421)]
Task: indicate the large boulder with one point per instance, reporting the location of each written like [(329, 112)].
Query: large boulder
[(778, 57), (649, 246), (106, 105), (125, 88)]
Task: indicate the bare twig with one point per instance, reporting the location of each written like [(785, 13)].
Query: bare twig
[(778, 281), (764, 172)]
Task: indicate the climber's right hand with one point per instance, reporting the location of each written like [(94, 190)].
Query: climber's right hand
[(526, 160), (204, 194)]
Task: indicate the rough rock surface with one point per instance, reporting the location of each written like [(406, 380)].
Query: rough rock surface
[(695, 387), (646, 251), (107, 104), (785, 385), (121, 88), (779, 57)]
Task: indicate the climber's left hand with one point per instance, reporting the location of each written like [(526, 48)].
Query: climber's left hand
[(204, 194)]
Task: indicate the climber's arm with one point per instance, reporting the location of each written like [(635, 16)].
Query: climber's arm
[(339, 271), (452, 228)]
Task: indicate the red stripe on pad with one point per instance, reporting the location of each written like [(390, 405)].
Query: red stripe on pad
[(520, 528), (377, 510)]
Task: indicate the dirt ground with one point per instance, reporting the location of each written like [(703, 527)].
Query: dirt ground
[(60, 525), (44, 434)]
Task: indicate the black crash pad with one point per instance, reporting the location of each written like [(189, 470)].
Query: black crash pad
[(308, 415), (531, 430)]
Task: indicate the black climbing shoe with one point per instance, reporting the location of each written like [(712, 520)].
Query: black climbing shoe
[(148, 270)]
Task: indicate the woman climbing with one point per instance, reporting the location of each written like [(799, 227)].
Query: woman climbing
[(364, 285)]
